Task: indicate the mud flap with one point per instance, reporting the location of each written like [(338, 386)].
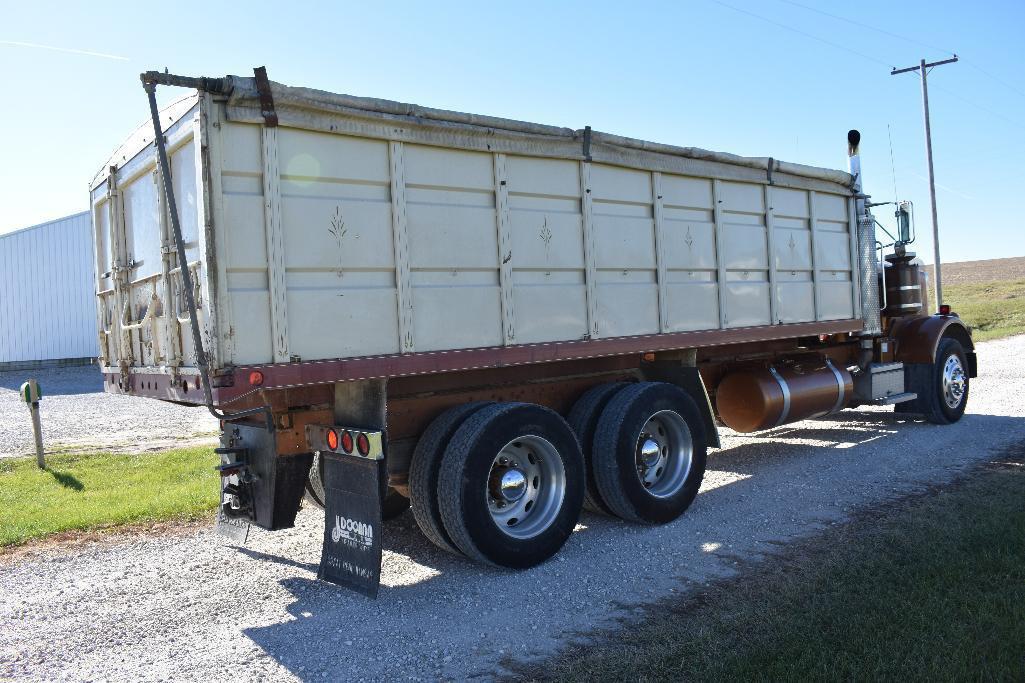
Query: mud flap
[(351, 554), (233, 529)]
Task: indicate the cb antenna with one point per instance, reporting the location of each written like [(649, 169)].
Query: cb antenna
[(893, 168)]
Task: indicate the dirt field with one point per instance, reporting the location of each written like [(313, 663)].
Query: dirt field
[(982, 271)]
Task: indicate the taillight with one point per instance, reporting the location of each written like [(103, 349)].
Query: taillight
[(363, 444), (255, 378), (332, 439), (347, 441)]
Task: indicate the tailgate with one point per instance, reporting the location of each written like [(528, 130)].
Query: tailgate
[(142, 318)]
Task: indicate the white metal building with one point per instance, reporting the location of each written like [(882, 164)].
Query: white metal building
[(47, 310)]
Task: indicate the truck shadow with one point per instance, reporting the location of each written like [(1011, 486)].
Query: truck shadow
[(799, 479), (276, 559)]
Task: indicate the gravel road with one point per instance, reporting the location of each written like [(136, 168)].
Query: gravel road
[(187, 606), (78, 416)]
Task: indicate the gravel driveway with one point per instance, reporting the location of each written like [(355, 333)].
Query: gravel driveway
[(78, 416), (191, 607)]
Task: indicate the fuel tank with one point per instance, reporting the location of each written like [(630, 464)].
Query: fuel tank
[(761, 398)]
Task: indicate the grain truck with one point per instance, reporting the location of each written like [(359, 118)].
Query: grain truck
[(495, 322)]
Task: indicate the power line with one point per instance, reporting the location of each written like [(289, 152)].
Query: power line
[(868, 26), (803, 33), (973, 103), (787, 27), (1001, 82), (906, 39)]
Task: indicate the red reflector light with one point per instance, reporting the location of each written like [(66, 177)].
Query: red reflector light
[(347, 442), (363, 444), (945, 309), (255, 378), (332, 439)]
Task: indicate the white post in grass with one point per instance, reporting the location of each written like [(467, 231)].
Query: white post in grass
[(31, 394)]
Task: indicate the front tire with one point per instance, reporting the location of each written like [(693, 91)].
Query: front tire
[(942, 386), (649, 453), (511, 485)]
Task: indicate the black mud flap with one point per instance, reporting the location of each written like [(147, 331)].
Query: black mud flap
[(351, 555)]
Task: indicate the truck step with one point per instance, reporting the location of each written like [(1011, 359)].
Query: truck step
[(896, 398)]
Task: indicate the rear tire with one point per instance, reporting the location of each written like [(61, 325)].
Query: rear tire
[(511, 485), (649, 453), (392, 505), (942, 386), (424, 468), (583, 418)]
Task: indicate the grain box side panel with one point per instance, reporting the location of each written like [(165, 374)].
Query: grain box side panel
[(245, 260), (339, 258), (453, 248), (744, 254), (795, 295), (689, 229), (546, 226), (625, 264), (833, 259)]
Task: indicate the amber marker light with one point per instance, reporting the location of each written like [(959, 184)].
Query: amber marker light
[(332, 439)]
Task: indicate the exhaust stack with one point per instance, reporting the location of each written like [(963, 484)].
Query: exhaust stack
[(854, 158), (868, 266)]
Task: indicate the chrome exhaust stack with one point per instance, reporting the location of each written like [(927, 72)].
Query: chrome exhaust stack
[(868, 265)]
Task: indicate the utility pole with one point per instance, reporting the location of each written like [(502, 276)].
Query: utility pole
[(921, 68)]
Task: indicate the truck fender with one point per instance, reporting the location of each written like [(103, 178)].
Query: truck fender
[(918, 338), (689, 379)]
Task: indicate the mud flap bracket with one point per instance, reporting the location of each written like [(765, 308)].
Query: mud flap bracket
[(257, 484)]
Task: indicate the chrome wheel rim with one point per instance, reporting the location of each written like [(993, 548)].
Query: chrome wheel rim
[(954, 382), (664, 454), (526, 487)]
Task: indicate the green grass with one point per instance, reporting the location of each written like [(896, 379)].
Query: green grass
[(80, 492), (993, 309), (930, 588)]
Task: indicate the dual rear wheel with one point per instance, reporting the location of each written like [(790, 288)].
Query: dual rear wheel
[(504, 483)]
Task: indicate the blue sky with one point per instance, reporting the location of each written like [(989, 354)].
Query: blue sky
[(786, 83)]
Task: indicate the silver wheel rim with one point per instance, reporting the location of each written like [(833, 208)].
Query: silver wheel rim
[(954, 382), (526, 487), (664, 454)]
